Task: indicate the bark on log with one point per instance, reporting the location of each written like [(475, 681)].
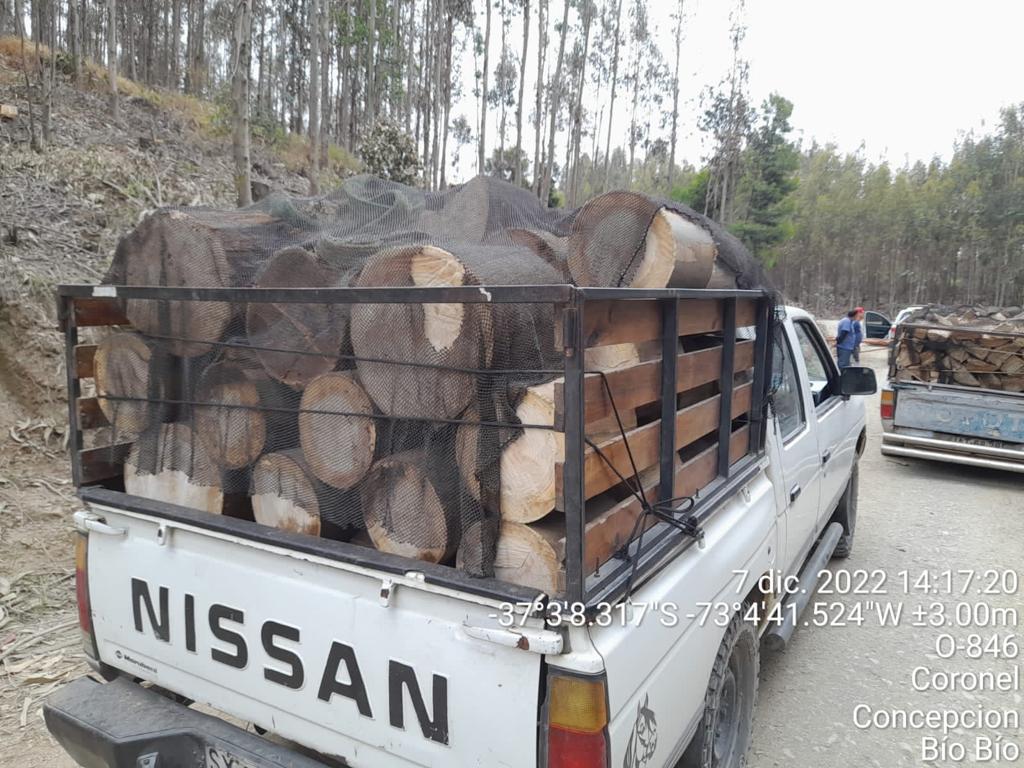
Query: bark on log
[(404, 509), (169, 463), (338, 444), (465, 337), (312, 336), (528, 555), (287, 495), (230, 421), (527, 467), (628, 239), (122, 369)]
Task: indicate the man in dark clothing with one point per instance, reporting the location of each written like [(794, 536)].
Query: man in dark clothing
[(849, 337)]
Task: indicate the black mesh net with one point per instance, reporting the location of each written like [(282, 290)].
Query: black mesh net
[(421, 429)]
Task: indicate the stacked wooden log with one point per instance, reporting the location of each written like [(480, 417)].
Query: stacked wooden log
[(404, 420), (970, 346)]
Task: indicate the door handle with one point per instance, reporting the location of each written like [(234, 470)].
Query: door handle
[(825, 457), (794, 493)]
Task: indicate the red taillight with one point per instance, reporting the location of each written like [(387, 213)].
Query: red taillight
[(82, 592), (569, 749), (888, 404), (577, 708)]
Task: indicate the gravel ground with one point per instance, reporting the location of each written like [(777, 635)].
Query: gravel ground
[(914, 516)]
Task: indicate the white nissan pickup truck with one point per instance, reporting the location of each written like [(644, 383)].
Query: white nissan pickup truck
[(307, 652)]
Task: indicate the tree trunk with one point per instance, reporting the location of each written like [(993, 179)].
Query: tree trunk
[(556, 93), (314, 95), (112, 57), (517, 168), (240, 96), (286, 495), (538, 115), (168, 463), (371, 64), (611, 103), (404, 508), (482, 148), (175, 75)]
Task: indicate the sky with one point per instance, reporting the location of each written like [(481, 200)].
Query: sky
[(903, 78)]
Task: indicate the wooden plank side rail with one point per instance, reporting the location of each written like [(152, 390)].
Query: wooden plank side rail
[(99, 311), (692, 423), (608, 532), (635, 321), (85, 355), (641, 384), (103, 463)]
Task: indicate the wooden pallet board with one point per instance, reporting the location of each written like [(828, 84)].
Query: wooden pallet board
[(619, 322), (692, 423), (641, 384), (85, 360), (91, 312), (608, 532), (103, 463)]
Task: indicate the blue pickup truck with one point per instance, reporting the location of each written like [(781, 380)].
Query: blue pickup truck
[(955, 395)]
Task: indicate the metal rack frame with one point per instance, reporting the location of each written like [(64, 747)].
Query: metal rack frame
[(571, 302)]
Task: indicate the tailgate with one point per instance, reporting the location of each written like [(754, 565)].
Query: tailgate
[(378, 669), (985, 415)]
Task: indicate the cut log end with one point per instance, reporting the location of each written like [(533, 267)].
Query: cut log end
[(284, 495), (528, 555), (336, 429), (170, 464), (434, 267), (403, 512), (229, 421), (122, 370)]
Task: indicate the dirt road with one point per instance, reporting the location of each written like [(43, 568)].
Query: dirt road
[(914, 517)]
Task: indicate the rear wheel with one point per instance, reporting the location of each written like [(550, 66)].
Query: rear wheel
[(723, 735), (846, 515)]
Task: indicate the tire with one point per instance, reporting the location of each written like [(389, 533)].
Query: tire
[(723, 735), (846, 514)]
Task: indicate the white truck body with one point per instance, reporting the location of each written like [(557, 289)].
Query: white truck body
[(382, 669)]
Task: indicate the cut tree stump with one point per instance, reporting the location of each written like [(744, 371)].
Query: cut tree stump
[(312, 336), (404, 511), (338, 445), (169, 463), (122, 369), (288, 496)]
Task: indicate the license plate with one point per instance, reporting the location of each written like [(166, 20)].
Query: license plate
[(219, 758)]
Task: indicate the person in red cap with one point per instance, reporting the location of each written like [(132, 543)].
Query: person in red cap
[(849, 336)]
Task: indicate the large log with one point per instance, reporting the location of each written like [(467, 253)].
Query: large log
[(404, 509), (527, 463), (627, 239), (287, 495), (169, 463), (435, 348), (122, 370), (229, 415), (528, 555), (337, 430), (311, 336)]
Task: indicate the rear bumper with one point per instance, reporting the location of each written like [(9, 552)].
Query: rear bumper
[(937, 449), (122, 725)]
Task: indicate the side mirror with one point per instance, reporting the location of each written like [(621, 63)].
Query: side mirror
[(856, 380)]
